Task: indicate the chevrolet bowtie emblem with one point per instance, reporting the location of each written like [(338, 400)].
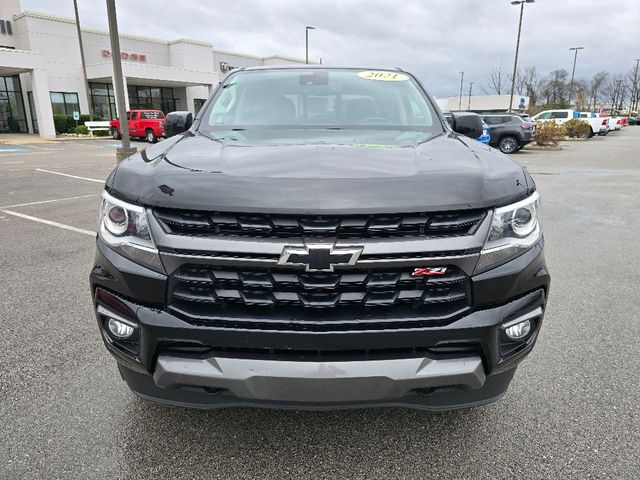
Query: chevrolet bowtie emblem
[(319, 257)]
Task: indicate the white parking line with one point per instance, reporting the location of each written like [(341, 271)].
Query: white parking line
[(71, 176), (48, 201), (49, 222)]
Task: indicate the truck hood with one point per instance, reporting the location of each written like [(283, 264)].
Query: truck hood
[(398, 174)]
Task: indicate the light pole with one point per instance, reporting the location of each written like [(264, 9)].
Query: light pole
[(125, 150), (470, 88), (460, 96), (515, 62), (306, 37), (84, 66), (635, 92), (573, 72)]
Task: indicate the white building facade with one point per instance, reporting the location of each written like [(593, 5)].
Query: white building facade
[(41, 71), (484, 103)]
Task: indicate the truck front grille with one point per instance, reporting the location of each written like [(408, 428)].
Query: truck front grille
[(185, 222), (294, 299)]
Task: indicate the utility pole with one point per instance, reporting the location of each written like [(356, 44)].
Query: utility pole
[(515, 62), (125, 150), (470, 88), (573, 72), (84, 66), (306, 37), (460, 96), (635, 91)]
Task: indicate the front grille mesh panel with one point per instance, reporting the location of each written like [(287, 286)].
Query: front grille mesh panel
[(185, 222), (287, 298)]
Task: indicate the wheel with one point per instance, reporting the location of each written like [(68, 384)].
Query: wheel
[(508, 144), (591, 134), (115, 133), (151, 136)]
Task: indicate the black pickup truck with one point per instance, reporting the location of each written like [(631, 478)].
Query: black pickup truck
[(320, 238)]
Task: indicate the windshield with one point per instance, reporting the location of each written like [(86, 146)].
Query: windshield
[(319, 101)]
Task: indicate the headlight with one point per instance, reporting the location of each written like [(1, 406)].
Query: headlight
[(514, 229), (125, 229)]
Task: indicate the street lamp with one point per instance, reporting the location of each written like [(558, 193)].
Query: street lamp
[(126, 150), (84, 65), (515, 63), (635, 93), (306, 35), (470, 89), (573, 72)]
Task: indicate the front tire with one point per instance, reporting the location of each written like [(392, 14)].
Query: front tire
[(115, 133), (591, 134), (508, 144), (151, 136)]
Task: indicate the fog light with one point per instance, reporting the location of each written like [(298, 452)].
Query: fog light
[(119, 329), (519, 330)]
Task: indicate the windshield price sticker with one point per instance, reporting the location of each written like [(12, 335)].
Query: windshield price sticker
[(384, 76)]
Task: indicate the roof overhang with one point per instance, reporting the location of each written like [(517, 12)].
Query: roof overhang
[(14, 62), (158, 75)]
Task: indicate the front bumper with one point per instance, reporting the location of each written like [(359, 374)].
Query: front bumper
[(461, 364)]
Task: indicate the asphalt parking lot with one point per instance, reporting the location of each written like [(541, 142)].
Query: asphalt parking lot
[(573, 409)]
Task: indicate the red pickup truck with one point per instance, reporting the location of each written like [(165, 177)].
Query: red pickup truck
[(147, 124)]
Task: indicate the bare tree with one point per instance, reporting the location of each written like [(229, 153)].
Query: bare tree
[(497, 82), (520, 85), (532, 84), (557, 88), (581, 94), (633, 80), (595, 88), (615, 91)]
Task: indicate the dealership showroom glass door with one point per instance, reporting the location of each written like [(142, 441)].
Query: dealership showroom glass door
[(152, 98), (13, 118)]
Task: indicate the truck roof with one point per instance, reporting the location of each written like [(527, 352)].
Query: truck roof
[(317, 67)]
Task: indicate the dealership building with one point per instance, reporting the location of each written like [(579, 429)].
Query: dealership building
[(41, 71)]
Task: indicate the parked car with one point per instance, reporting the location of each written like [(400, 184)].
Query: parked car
[(509, 132), (614, 123), (524, 116), (357, 251), (604, 122), (562, 116), (147, 124)]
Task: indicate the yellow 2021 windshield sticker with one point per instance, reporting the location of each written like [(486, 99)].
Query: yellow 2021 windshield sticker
[(383, 75)]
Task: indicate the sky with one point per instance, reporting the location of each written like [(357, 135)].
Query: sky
[(434, 39)]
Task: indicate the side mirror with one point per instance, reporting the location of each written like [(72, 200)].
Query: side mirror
[(449, 118), (467, 124), (177, 122)]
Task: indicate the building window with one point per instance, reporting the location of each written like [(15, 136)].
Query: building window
[(32, 110), (151, 98), (13, 118), (64, 102), (103, 100), (197, 104)]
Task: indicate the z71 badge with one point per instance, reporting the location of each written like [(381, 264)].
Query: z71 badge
[(428, 271)]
